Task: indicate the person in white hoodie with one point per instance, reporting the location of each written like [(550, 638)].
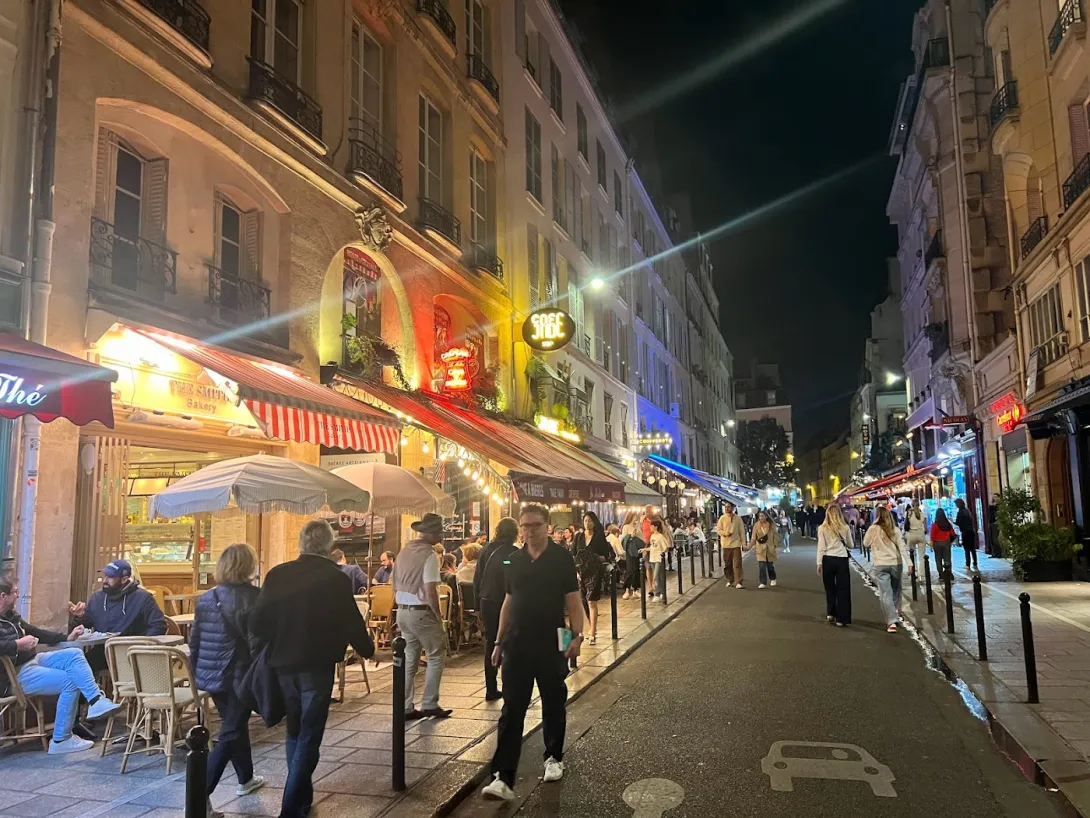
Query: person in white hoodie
[(916, 530), (887, 557)]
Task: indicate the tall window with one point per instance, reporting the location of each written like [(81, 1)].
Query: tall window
[(618, 195), (431, 151), (480, 227), (128, 193), (558, 189), (603, 178), (476, 26), (556, 89), (1082, 288), (366, 105), (533, 156), (581, 131), (230, 239), (1046, 325), (274, 35)]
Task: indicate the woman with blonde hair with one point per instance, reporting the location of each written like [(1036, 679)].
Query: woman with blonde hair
[(834, 540), (887, 556), (764, 540), (219, 651)]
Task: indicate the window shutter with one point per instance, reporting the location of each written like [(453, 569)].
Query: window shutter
[(105, 169), (153, 210), (532, 253), (520, 30), (251, 245), (486, 23), (569, 193), (558, 200), (1033, 200), (545, 80), (1080, 138), (1005, 66), (550, 271)]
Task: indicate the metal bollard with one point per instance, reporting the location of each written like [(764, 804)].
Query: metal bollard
[(703, 569), (692, 567), (915, 588), (1030, 652), (927, 582), (664, 583), (643, 588), (196, 772), (949, 595), (978, 603), (613, 601), (680, 574), (398, 744)]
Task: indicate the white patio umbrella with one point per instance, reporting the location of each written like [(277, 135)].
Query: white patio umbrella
[(257, 484)]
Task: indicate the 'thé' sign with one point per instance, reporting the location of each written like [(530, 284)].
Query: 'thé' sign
[(548, 329)]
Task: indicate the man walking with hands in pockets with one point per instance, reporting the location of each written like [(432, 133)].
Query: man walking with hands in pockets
[(541, 588), (732, 539)]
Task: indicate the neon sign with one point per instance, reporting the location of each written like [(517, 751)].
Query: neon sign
[(456, 362), (547, 330), (1009, 412)]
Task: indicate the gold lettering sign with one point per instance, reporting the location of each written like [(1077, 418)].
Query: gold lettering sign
[(547, 330), (198, 397)]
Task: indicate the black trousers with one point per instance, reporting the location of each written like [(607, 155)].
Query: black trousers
[(522, 666), (837, 577), (490, 616), (233, 741), (632, 578)]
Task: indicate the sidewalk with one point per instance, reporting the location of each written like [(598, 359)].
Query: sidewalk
[(443, 758), (1050, 741)]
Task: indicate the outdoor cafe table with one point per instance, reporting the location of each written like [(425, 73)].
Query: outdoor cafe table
[(178, 601), (102, 639)]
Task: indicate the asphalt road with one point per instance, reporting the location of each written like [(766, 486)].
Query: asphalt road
[(704, 701)]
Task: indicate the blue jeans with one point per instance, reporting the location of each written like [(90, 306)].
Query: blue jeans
[(306, 700), (660, 578), (766, 571), (889, 590), (65, 674), (233, 741)]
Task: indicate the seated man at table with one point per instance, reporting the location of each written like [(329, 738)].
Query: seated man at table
[(353, 571), (122, 607), (61, 673), (385, 573)]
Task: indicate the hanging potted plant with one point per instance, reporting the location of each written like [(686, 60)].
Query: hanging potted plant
[(366, 355), (1038, 552), (485, 391)]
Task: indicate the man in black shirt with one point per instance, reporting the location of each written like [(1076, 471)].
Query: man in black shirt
[(490, 589), (542, 588)]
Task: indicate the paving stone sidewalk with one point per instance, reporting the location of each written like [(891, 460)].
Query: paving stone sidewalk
[(353, 777)]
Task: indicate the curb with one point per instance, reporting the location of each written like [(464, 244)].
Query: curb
[(1059, 774), (477, 780)]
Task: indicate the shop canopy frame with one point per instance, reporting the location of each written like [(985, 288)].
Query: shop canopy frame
[(888, 484)]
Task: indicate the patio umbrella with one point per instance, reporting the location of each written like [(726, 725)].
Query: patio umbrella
[(258, 484), (395, 490)]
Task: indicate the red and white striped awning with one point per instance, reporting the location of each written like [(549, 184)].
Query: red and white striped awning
[(303, 425)]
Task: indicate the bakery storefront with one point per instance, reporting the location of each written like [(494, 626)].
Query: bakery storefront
[(180, 405)]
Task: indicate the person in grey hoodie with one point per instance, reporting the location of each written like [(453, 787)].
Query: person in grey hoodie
[(887, 556)]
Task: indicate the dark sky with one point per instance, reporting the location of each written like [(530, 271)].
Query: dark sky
[(798, 283)]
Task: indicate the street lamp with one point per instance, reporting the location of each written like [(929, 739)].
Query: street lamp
[(892, 378), (597, 283), (866, 418), (730, 423)]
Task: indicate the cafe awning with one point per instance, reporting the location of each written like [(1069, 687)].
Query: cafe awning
[(49, 384), (290, 406), (889, 483), (706, 481)]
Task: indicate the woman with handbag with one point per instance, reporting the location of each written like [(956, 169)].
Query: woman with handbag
[(834, 540), (220, 651), (763, 540), (942, 540), (916, 534)]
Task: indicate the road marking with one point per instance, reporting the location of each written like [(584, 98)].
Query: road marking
[(651, 797), (844, 762)]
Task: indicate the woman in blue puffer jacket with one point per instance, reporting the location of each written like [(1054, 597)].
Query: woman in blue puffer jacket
[(220, 651)]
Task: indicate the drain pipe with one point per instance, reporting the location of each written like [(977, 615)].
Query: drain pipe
[(41, 286)]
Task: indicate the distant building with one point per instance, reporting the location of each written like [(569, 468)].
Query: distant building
[(761, 395)]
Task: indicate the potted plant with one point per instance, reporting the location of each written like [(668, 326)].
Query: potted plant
[(1038, 552), (366, 355)]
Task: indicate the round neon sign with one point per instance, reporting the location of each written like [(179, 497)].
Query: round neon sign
[(548, 329)]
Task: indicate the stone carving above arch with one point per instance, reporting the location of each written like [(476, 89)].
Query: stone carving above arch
[(375, 230)]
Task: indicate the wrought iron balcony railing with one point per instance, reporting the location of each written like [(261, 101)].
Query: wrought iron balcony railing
[(440, 16), (483, 74), (288, 98), (237, 296), (185, 16), (1034, 234), (1077, 183), (438, 218), (481, 258), (934, 249), (1004, 101), (1069, 15), (131, 262), (375, 158)]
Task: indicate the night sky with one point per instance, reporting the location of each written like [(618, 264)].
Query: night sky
[(787, 93)]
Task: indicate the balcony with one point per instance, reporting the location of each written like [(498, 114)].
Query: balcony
[(288, 104), (375, 164), (936, 54), (484, 84), (182, 22), (441, 225), (1070, 17), (1033, 236), (131, 263), (236, 299), (484, 260), (1077, 183), (934, 250), (1004, 103), (436, 19)]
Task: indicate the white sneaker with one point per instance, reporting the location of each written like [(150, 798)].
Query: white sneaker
[(773, 583), (739, 585), (762, 585), (498, 790), (72, 744), (102, 707), (554, 770), (254, 784), (625, 595)]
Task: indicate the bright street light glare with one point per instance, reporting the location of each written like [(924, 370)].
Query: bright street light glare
[(892, 378), (597, 283)]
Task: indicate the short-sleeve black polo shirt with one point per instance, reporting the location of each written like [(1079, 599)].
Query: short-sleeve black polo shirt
[(537, 589)]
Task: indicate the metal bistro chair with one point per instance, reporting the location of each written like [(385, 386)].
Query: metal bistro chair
[(157, 693), (469, 616), (342, 666), (381, 601), (121, 679), (14, 708)]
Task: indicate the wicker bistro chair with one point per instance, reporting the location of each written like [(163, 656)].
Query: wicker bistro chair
[(342, 667), (156, 692), (14, 708), (121, 679), (445, 604), (381, 601)]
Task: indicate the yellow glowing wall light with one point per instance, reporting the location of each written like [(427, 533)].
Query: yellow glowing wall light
[(552, 426)]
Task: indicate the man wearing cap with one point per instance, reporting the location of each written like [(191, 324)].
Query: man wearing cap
[(122, 607), (416, 593)]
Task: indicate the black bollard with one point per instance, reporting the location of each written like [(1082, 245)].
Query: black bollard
[(915, 585), (1030, 652), (398, 744), (692, 567), (196, 772), (643, 589), (664, 583), (613, 601), (680, 574), (978, 603), (703, 568), (927, 583), (949, 595)]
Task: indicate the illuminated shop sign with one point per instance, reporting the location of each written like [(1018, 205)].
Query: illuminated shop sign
[(547, 330), (456, 363), (1009, 411)]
